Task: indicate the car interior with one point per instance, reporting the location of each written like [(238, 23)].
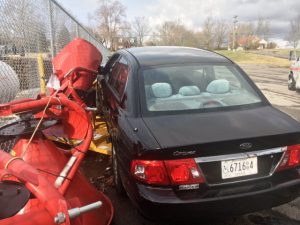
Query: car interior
[(195, 87)]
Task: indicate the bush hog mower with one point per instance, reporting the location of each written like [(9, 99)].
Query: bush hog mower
[(40, 178)]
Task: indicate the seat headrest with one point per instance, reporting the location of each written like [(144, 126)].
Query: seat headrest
[(161, 90), (189, 90), (148, 91), (218, 87)]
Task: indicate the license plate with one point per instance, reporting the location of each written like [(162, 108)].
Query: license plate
[(239, 167)]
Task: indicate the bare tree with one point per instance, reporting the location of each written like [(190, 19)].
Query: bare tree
[(126, 30), (26, 29), (175, 33), (141, 28), (262, 28), (293, 36), (63, 33), (246, 36), (246, 29), (221, 32), (208, 33), (110, 16), (19, 13), (63, 37), (169, 33)]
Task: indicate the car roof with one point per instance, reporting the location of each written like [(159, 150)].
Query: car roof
[(159, 55)]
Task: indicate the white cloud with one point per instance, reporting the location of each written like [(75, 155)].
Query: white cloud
[(79, 8), (193, 12)]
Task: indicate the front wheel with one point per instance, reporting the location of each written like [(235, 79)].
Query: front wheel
[(291, 83), (117, 179)]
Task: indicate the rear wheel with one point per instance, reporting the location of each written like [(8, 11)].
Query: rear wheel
[(117, 179), (291, 83)]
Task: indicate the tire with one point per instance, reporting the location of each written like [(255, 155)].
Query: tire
[(291, 83), (116, 174)]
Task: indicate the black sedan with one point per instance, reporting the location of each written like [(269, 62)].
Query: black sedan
[(193, 136)]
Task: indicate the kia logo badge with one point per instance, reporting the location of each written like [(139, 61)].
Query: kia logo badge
[(246, 145)]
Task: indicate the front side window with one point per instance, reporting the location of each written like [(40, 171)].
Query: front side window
[(183, 88)]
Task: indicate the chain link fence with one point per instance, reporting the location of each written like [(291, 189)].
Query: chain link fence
[(30, 29)]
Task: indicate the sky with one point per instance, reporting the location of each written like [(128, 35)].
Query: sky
[(192, 13)]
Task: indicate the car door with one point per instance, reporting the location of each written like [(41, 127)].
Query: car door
[(108, 71), (114, 85)]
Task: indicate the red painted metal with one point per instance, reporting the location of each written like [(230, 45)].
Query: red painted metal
[(41, 163), (78, 53)]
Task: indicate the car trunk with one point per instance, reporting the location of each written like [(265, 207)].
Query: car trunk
[(207, 135)]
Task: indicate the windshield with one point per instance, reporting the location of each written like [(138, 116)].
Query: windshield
[(177, 87)]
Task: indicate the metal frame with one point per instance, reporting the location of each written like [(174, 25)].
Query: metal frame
[(240, 155), (78, 24)]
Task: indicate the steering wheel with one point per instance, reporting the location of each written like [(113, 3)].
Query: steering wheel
[(212, 103)]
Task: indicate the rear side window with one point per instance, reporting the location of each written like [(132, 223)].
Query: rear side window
[(118, 75), (113, 73), (122, 77)]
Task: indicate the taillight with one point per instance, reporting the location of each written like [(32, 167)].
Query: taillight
[(294, 155), (168, 172), (291, 158), (151, 172), (183, 171)]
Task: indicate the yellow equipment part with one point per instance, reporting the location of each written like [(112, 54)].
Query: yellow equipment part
[(100, 142)]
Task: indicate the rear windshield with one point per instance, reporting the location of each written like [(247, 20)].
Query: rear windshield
[(183, 88)]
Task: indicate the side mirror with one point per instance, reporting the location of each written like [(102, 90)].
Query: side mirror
[(101, 69)]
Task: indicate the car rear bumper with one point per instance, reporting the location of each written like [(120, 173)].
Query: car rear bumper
[(166, 204)]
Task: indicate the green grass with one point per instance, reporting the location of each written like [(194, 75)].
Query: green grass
[(285, 51), (251, 58)]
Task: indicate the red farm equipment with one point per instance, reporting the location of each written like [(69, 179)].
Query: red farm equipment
[(40, 178)]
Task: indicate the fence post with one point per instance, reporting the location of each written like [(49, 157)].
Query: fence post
[(52, 46), (41, 66)]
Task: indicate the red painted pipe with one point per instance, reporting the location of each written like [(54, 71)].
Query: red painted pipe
[(47, 194)]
